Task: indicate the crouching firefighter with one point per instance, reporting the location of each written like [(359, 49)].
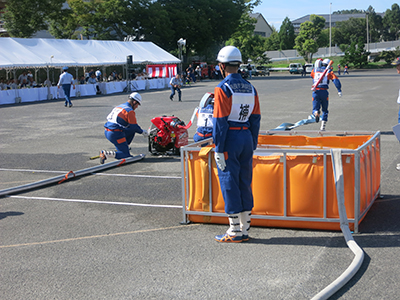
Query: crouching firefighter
[(205, 118), (320, 95), (236, 123), (121, 127)]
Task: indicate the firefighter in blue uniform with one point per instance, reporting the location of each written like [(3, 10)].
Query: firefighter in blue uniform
[(121, 127), (320, 96), (236, 123), (205, 118)]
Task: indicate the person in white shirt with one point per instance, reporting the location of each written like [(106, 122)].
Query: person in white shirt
[(98, 74), (66, 80), (93, 80), (23, 79), (175, 84)]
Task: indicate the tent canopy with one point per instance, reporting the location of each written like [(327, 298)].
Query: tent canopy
[(42, 53)]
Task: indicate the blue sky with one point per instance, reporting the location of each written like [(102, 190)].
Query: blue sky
[(276, 11)]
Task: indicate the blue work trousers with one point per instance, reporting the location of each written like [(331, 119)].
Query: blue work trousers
[(235, 180), (321, 100), (121, 142), (173, 93), (399, 116), (67, 92)]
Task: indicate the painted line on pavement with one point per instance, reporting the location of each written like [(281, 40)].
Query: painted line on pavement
[(97, 236), (97, 202)]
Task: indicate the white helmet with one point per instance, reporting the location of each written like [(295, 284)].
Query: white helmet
[(326, 62), (136, 96), (229, 54), (207, 99), (318, 63)]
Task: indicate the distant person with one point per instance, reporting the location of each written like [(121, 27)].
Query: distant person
[(47, 83), (23, 79), (190, 71), (303, 73), (98, 75), (249, 69), (346, 69), (175, 85), (82, 80), (66, 80), (338, 69), (93, 80), (320, 95)]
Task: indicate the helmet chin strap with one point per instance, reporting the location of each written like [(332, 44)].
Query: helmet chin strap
[(222, 70)]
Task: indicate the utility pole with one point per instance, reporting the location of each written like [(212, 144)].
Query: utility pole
[(330, 30), (367, 13)]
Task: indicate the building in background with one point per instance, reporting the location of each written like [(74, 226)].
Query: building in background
[(262, 27), (334, 19)]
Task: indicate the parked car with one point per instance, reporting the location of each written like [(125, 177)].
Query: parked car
[(262, 71), (309, 68), (295, 68)]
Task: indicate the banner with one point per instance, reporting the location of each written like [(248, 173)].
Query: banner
[(161, 71)]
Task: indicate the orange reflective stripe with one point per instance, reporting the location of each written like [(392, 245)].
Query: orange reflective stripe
[(238, 128), (114, 130), (204, 135), (120, 141)]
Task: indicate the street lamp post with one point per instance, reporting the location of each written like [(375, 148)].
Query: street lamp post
[(330, 30), (181, 42), (367, 32)]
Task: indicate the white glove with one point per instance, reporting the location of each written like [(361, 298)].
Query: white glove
[(340, 94), (220, 160), (145, 133)]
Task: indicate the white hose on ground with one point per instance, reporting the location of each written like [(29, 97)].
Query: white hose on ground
[(69, 175), (344, 226)]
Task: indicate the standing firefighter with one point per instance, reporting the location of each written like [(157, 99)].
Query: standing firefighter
[(320, 95), (236, 122), (121, 127)]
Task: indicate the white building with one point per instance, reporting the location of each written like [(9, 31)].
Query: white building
[(262, 27)]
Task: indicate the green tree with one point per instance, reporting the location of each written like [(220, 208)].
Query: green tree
[(351, 30), (375, 25), (251, 46), (272, 42), (63, 24), (23, 18), (388, 56), (348, 11), (355, 54), (391, 23), (309, 39), (205, 24), (286, 35)]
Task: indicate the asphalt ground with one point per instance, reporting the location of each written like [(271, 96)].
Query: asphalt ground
[(116, 234)]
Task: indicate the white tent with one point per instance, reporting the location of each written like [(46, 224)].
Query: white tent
[(43, 53)]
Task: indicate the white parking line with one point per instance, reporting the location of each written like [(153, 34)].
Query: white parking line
[(97, 202)]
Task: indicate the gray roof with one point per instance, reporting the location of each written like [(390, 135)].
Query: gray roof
[(256, 15), (334, 17)]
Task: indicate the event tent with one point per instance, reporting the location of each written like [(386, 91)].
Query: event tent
[(44, 53)]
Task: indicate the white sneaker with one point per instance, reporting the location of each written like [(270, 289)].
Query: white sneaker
[(323, 124)]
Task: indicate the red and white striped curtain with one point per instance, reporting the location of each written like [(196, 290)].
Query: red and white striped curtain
[(161, 71)]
